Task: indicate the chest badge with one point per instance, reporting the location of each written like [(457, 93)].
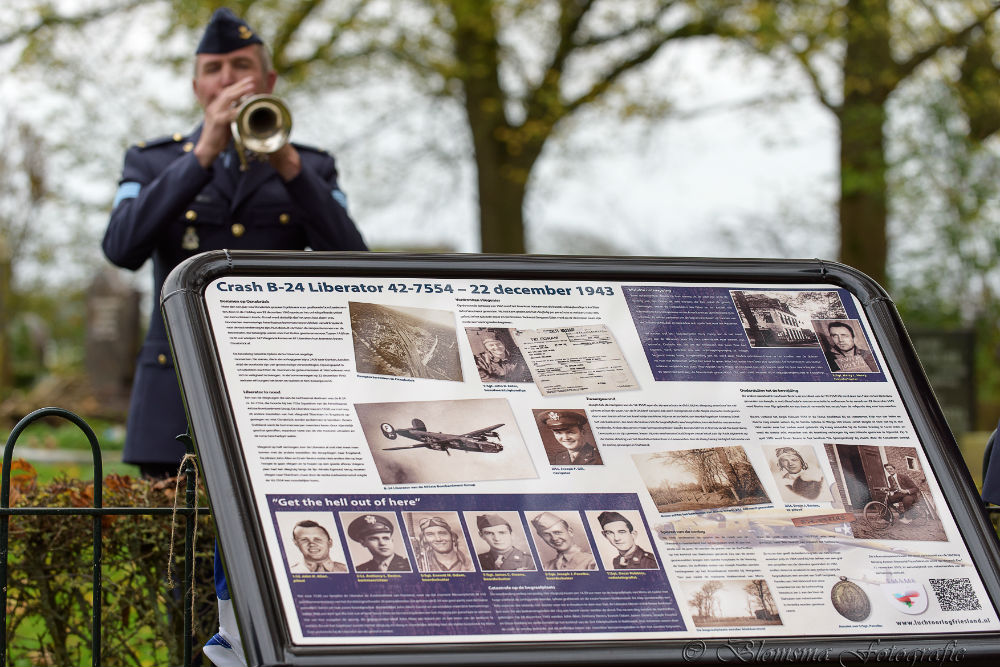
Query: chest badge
[(190, 240)]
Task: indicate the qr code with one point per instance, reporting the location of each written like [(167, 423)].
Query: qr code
[(955, 594)]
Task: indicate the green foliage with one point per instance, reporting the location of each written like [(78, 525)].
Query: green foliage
[(857, 56), (946, 258), (50, 576)]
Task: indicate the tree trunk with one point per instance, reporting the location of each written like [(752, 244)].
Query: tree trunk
[(6, 364), (869, 77), (501, 206), (503, 157), (863, 210)]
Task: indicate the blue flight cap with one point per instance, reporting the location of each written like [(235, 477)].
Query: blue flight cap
[(226, 32)]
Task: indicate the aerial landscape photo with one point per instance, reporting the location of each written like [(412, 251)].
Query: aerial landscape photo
[(405, 342)]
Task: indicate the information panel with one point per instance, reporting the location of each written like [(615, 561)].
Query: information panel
[(440, 453)]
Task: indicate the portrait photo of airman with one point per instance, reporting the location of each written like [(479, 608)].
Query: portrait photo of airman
[(845, 346), (438, 542), (376, 545), (567, 437), (500, 541), (625, 544), (312, 543), (497, 356), (561, 541), (798, 474)]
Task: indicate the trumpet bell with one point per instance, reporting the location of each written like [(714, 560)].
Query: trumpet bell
[(263, 124)]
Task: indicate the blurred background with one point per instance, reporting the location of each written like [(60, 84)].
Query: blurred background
[(856, 130)]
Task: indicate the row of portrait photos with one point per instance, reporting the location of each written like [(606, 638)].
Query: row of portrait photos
[(439, 541)]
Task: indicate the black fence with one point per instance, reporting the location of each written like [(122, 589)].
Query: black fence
[(186, 510)]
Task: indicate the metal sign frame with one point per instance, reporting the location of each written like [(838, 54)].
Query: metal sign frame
[(261, 618)]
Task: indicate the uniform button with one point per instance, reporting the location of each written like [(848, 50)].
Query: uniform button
[(178, 136), (188, 147), (238, 230), (283, 218), (162, 358), (191, 215)]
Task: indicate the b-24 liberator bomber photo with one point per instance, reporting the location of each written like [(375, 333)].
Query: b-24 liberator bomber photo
[(473, 441)]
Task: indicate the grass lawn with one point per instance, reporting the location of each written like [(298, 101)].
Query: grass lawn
[(56, 446)]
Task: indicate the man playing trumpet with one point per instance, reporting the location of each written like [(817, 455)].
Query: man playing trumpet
[(182, 195)]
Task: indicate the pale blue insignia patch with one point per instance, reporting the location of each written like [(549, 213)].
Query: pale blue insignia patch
[(127, 190), (339, 197)]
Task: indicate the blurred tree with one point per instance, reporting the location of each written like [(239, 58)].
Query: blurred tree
[(947, 184), (857, 54), (23, 189)]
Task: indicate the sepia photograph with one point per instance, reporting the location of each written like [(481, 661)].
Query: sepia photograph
[(622, 539), (567, 437), (784, 318), (311, 542), (500, 541), (561, 540), (797, 472), (375, 544), (845, 346), (700, 479), (405, 342), (730, 602), (422, 442), (438, 542), (497, 356), (886, 490)]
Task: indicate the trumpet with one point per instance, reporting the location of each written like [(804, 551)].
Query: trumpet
[(261, 127)]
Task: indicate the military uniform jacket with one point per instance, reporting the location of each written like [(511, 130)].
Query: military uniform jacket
[(492, 369), (991, 476), (462, 564), (637, 558), (515, 559), (397, 564), (858, 361), (329, 565), (168, 208), (573, 558), (588, 456)]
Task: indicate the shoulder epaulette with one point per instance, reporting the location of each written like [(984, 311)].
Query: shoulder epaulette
[(160, 141), (311, 149)]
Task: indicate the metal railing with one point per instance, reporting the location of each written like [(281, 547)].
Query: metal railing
[(189, 510)]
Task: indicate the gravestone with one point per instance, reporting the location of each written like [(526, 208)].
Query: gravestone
[(112, 338), (948, 358)]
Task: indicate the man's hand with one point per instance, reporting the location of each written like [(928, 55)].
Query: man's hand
[(219, 113), (286, 162)]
